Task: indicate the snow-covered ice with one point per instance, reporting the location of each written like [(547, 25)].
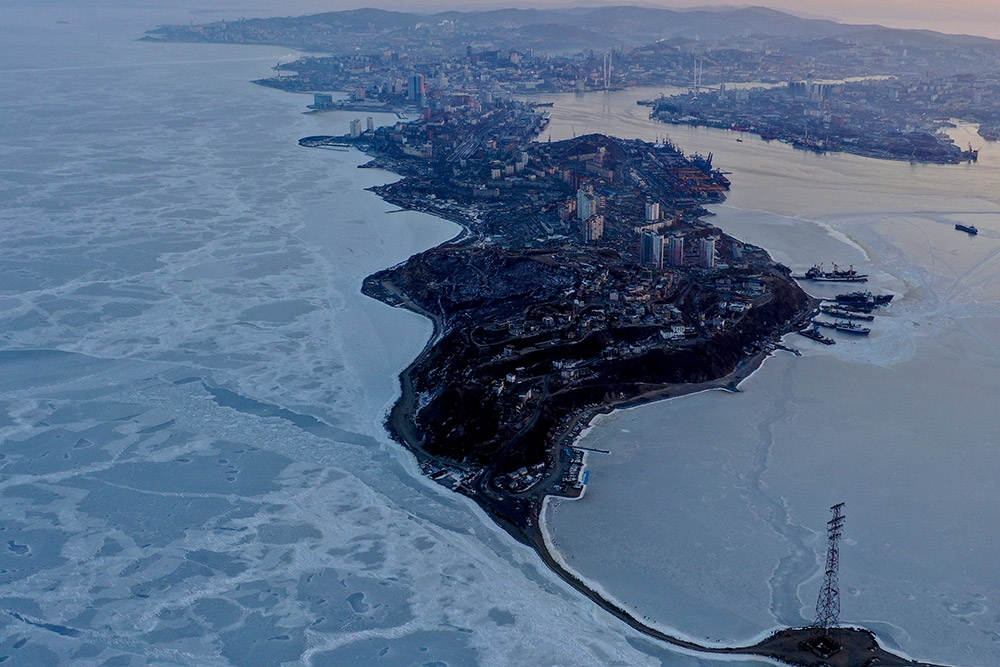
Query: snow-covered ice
[(193, 468)]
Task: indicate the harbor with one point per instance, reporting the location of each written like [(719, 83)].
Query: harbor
[(784, 432)]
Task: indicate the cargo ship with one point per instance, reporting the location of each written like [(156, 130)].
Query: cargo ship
[(968, 229), (836, 276)]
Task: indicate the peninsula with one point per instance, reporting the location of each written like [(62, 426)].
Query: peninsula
[(585, 279)]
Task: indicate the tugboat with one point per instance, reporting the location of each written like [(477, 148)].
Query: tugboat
[(968, 229), (849, 327), (836, 276)]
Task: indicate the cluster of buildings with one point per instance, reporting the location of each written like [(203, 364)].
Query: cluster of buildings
[(587, 212), (393, 81), (427, 77), (657, 250), (356, 128), (452, 476), (482, 165), (610, 296), (521, 479), (570, 483), (880, 117)]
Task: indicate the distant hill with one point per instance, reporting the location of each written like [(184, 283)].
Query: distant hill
[(550, 30), (640, 25)]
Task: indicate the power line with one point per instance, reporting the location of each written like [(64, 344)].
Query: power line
[(828, 603)]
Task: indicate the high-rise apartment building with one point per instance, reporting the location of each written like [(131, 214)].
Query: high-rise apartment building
[(652, 211), (651, 250), (417, 90), (706, 253), (675, 250)]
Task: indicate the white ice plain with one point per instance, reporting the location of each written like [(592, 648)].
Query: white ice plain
[(193, 469)]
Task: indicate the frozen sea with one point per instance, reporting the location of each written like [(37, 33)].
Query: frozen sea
[(193, 469), (709, 515)]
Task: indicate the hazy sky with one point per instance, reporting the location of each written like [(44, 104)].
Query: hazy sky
[(957, 16)]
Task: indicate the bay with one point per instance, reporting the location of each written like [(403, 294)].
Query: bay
[(709, 516)]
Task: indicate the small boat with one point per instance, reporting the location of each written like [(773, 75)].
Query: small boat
[(968, 229)]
